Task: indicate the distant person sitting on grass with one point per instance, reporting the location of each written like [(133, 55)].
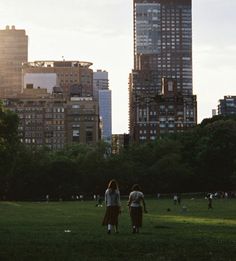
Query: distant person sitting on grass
[(136, 197), (112, 201)]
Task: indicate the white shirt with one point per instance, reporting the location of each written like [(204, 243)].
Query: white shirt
[(135, 198), (112, 198)]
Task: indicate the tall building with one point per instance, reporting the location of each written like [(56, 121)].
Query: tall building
[(13, 52), (160, 85), (100, 82), (227, 106), (68, 75), (102, 93)]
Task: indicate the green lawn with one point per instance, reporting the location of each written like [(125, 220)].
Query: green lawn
[(36, 231)]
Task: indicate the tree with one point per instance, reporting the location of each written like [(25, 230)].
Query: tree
[(9, 143)]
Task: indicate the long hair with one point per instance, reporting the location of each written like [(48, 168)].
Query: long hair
[(136, 187), (113, 185)]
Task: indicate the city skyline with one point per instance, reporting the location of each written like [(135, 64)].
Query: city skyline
[(102, 32)]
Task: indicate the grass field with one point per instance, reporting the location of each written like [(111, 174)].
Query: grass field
[(36, 231)]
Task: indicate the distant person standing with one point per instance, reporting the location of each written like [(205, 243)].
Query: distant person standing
[(226, 195), (112, 202), (136, 200), (175, 198), (210, 198)]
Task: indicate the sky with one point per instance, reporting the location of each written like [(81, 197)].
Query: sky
[(101, 32)]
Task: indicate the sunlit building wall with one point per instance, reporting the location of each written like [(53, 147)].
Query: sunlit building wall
[(68, 74), (40, 80), (13, 52)]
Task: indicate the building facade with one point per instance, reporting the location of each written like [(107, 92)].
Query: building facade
[(100, 82), (162, 74), (227, 106), (102, 93), (54, 121), (119, 142), (13, 52), (68, 75), (105, 114)]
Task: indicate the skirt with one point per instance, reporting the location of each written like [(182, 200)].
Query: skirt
[(136, 214), (111, 216)]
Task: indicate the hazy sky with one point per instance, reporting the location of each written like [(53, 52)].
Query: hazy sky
[(100, 31)]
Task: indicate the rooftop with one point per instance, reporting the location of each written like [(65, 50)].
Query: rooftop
[(62, 63)]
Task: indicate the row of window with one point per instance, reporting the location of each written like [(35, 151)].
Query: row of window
[(41, 142), (75, 81), (67, 74)]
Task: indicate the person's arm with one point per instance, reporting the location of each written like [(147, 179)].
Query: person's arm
[(118, 198), (144, 205), (105, 198), (119, 202), (129, 201)]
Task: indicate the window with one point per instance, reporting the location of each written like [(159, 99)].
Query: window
[(89, 136)]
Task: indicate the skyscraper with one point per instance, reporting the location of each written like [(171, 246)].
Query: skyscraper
[(102, 93), (160, 86), (13, 52)]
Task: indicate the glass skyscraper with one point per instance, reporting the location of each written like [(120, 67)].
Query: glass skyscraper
[(102, 93), (162, 57)]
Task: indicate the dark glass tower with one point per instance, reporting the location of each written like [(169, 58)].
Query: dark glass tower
[(162, 77)]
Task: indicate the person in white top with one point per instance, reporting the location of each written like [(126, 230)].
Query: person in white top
[(135, 203), (112, 201)]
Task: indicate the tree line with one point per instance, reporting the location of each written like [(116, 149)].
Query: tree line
[(200, 159)]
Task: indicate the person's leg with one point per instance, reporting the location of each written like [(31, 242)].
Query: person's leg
[(109, 226), (116, 228), (133, 219)]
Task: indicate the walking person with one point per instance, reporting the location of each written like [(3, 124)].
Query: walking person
[(113, 205), (135, 203)]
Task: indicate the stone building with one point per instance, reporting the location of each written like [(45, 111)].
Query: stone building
[(54, 121)]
